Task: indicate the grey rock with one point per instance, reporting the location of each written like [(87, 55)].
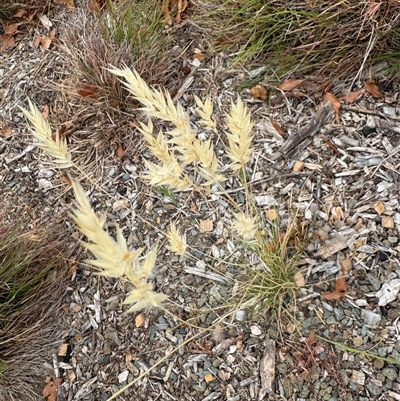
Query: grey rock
[(370, 318)]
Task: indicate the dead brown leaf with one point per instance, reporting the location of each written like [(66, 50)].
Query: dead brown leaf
[(12, 29), (88, 90), (340, 288), (173, 6), (278, 128), (290, 84), (311, 340), (329, 97), (7, 42), (199, 56), (7, 131), (64, 131), (373, 90), (42, 40), (66, 178), (352, 97), (21, 12), (94, 6), (68, 3), (46, 111), (120, 151), (51, 388)]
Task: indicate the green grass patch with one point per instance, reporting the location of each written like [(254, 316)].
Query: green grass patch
[(135, 23), (318, 36)]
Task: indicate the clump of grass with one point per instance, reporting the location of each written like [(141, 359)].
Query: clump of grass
[(134, 22), (181, 155), (31, 284), (182, 161), (318, 36)]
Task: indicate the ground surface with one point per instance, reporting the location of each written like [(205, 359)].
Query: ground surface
[(346, 195)]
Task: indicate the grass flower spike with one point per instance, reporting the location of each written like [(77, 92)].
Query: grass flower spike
[(112, 257), (245, 226), (240, 137), (143, 295), (177, 242), (57, 148)]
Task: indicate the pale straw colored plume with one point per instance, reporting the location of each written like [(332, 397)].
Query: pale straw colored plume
[(158, 147), (177, 241), (143, 295), (170, 174), (245, 226), (56, 148), (156, 103), (240, 137), (112, 257), (205, 111)]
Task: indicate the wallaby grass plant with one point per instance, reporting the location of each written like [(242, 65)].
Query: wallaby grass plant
[(31, 282), (306, 36), (135, 23), (182, 161)]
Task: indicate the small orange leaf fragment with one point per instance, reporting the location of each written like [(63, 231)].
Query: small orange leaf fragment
[(352, 97), (120, 151), (290, 84), (373, 90), (68, 3), (66, 178), (46, 111), (51, 388), (340, 288), (278, 128), (88, 90), (7, 131), (94, 6), (7, 42), (329, 97), (311, 340), (21, 12)]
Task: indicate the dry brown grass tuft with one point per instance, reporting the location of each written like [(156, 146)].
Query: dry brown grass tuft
[(33, 278), (320, 36)]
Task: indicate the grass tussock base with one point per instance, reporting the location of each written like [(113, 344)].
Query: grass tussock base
[(319, 36), (32, 281)]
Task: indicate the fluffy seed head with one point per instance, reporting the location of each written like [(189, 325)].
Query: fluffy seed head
[(56, 148), (245, 226), (177, 241)]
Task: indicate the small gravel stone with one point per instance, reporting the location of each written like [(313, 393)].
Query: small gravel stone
[(370, 318)]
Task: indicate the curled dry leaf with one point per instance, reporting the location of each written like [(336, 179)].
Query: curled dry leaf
[(88, 90), (68, 3), (373, 90), (21, 12), (311, 340), (11, 29), (7, 131), (352, 97), (120, 151), (340, 288), (329, 97), (7, 42), (278, 128), (42, 40), (169, 6), (94, 6), (51, 388), (290, 84)]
